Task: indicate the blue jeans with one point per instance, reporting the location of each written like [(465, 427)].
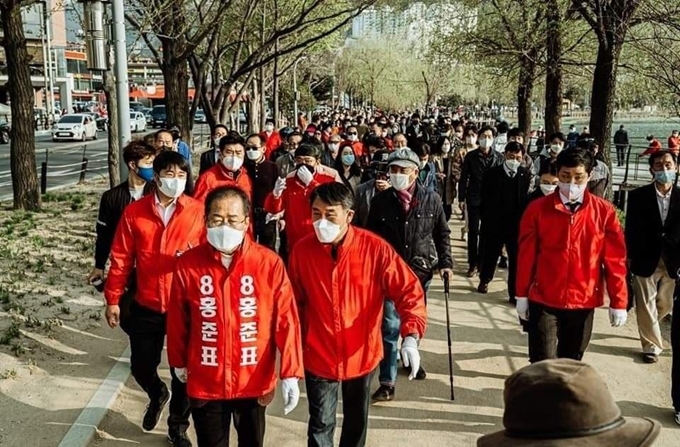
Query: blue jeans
[(322, 396), (390, 331)]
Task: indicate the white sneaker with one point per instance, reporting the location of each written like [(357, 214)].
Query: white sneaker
[(677, 417)]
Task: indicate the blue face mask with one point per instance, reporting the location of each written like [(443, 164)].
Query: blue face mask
[(348, 159), (145, 173), (665, 176)]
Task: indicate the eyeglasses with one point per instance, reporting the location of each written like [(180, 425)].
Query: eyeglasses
[(352, 133), (215, 222)]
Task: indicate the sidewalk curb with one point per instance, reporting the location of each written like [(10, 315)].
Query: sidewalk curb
[(84, 428)]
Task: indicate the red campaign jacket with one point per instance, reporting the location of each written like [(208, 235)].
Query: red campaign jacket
[(295, 202), (271, 142), (341, 302), (142, 241), (566, 259), (225, 326), (218, 176)]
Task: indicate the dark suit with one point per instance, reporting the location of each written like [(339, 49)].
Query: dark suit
[(207, 160), (647, 238), (503, 199)]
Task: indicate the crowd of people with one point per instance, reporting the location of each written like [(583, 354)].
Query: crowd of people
[(321, 241)]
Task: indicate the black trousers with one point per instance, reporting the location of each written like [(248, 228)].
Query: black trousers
[(322, 396), (558, 333), (283, 246), (491, 247), (265, 233), (620, 154), (212, 420), (146, 329), (474, 219), (675, 345)]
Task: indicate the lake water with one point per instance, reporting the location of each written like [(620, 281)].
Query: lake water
[(637, 130)]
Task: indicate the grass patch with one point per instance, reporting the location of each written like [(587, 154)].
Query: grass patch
[(10, 334), (8, 374)]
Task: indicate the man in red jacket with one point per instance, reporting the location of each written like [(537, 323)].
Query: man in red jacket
[(291, 194), (271, 137), (570, 246), (342, 276), (229, 172), (152, 233), (232, 307)]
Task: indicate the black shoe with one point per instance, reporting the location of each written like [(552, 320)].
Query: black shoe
[(650, 358), (153, 411), (384, 394), (483, 287), (179, 440), (420, 375), (472, 271), (503, 264)]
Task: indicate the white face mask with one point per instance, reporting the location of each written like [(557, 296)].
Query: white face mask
[(216, 141), (269, 127), (400, 182), (333, 147), (446, 148), (172, 187), (485, 143), (224, 238), (326, 231), (352, 138), (547, 189), (555, 148), (254, 154), (572, 191), (513, 165), (232, 163)]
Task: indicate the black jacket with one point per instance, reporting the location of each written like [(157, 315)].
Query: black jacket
[(647, 239), (207, 161), (474, 167), (503, 200), (362, 202), (422, 238), (111, 207)]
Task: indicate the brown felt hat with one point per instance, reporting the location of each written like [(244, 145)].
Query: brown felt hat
[(559, 403)]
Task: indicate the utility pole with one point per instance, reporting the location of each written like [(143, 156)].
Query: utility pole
[(98, 60), (50, 73), (121, 72)]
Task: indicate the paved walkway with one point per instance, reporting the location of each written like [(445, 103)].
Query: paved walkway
[(488, 346)]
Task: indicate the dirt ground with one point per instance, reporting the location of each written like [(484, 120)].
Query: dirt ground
[(54, 352)]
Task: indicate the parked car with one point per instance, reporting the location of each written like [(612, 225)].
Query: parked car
[(147, 115), (137, 122), (136, 106), (199, 116), (76, 126), (158, 116), (4, 132)]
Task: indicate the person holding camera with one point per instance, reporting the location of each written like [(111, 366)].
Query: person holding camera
[(378, 182)]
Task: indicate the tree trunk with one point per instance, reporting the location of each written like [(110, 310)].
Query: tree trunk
[(275, 91), (22, 145), (603, 95), (553, 77), (253, 109), (176, 80), (112, 111), (525, 90)]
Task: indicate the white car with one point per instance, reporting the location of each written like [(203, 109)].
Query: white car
[(137, 122), (76, 126)]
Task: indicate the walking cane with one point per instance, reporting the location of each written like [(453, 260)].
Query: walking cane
[(448, 331)]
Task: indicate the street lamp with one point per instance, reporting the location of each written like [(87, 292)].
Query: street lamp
[(295, 90)]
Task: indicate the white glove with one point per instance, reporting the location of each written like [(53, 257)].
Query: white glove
[(410, 356), (617, 317), (304, 175), (279, 187), (522, 308), (291, 394), (181, 374)]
